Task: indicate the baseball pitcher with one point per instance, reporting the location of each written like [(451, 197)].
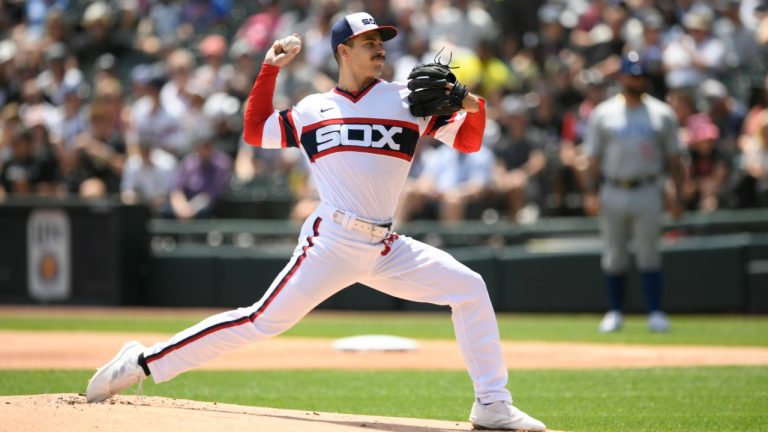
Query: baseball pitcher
[(359, 139)]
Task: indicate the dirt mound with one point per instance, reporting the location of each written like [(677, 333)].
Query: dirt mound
[(70, 413)]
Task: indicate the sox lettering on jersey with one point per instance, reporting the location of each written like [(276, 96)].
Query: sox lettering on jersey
[(397, 140), (338, 134)]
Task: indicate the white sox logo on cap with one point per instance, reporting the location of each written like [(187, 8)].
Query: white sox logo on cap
[(357, 24)]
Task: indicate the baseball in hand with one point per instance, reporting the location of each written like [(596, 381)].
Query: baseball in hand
[(288, 43)]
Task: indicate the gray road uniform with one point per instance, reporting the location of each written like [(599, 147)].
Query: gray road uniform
[(632, 146)]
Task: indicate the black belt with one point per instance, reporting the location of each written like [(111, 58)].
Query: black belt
[(631, 183)]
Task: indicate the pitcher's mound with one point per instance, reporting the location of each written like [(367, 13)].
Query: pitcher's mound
[(70, 413)]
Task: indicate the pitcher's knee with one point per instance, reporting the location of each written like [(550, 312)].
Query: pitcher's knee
[(472, 289), (270, 328)]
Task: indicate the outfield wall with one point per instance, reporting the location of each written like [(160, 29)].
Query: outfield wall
[(104, 253)]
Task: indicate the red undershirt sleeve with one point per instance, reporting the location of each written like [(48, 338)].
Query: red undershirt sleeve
[(259, 106), (470, 135)]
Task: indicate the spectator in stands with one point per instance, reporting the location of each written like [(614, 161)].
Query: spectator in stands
[(651, 47), (148, 176), (100, 36), (195, 94), (520, 157), (33, 101), (101, 152), (57, 30), (694, 55), (37, 13), (755, 164), (599, 36), (682, 103), (148, 115), (756, 113), (173, 96), (524, 67), (482, 71), (222, 112), (726, 113), (108, 92), (317, 39), (461, 23), (740, 44), (57, 76), (10, 85), (245, 70), (205, 16), (450, 182), (104, 69), (25, 173), (201, 178), (43, 151), (215, 72), (70, 118), (10, 122), (553, 35), (164, 22), (708, 169), (259, 29)]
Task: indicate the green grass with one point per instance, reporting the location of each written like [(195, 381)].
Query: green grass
[(689, 330), (671, 400)]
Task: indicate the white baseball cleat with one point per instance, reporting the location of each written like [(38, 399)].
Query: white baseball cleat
[(658, 322), (120, 373), (502, 415), (612, 322)]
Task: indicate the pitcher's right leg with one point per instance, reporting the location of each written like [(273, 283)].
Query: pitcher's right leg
[(419, 272)]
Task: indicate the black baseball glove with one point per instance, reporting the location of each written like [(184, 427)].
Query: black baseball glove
[(429, 92)]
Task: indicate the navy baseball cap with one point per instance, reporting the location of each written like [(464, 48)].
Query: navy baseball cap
[(631, 65), (357, 24)]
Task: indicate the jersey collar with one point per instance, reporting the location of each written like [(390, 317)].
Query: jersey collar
[(356, 97)]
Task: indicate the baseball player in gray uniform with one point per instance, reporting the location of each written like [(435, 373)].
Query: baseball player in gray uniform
[(632, 142), (359, 140)]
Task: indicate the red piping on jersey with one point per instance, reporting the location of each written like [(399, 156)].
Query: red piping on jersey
[(259, 106), (283, 140), (430, 125), (470, 135), (363, 120), (246, 319), (384, 152), (356, 97), (293, 127)]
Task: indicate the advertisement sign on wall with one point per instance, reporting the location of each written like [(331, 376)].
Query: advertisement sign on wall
[(49, 255)]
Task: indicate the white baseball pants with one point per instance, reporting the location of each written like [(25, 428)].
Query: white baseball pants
[(329, 258)]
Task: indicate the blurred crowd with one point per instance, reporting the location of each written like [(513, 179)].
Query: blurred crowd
[(143, 99)]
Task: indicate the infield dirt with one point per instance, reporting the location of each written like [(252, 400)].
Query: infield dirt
[(89, 350), (70, 413)]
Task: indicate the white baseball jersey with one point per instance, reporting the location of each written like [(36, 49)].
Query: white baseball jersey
[(359, 147)]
